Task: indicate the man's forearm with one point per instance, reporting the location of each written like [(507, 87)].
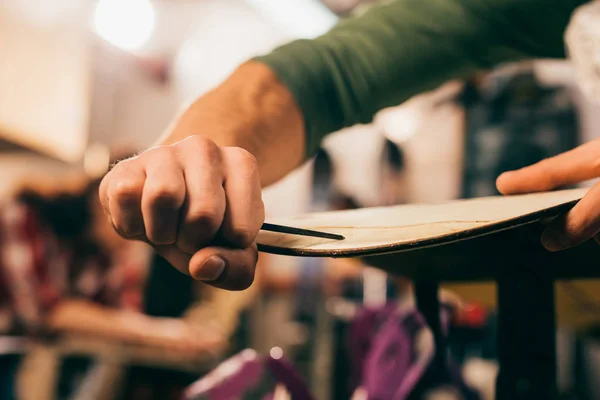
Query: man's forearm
[(252, 109)]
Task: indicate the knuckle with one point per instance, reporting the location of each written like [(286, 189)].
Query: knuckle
[(242, 158), (546, 174), (550, 181), (164, 194), (121, 230), (203, 146), (162, 152), (241, 155), (127, 229), (210, 152), (205, 218), (243, 236), (125, 166), (125, 189)]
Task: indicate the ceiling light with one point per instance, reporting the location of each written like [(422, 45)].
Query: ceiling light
[(127, 24)]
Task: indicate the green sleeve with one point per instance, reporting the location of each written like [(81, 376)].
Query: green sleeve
[(405, 47)]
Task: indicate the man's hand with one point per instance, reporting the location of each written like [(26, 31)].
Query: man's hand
[(582, 222), (197, 199), (198, 204)]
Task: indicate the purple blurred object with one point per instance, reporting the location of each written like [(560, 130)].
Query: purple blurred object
[(284, 372), (398, 359), (392, 352), (243, 373), (363, 330), (230, 380)]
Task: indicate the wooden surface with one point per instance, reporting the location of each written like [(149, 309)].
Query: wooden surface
[(382, 230)]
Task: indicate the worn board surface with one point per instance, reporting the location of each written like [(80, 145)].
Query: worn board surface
[(382, 230)]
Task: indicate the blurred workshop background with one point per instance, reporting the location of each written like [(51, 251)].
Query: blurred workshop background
[(84, 83)]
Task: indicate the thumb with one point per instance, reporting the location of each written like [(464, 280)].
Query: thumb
[(221, 267), (225, 268)]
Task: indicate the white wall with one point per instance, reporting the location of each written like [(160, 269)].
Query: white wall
[(44, 83), (356, 153)]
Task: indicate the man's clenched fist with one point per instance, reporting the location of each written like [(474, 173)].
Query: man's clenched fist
[(198, 204)]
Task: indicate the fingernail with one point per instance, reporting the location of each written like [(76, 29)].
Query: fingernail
[(211, 270), (553, 240)]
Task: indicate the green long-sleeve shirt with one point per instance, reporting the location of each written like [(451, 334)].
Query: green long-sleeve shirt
[(405, 47)]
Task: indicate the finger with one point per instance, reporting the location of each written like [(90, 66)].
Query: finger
[(245, 211), (175, 257), (204, 206), (163, 196), (574, 166), (124, 188), (225, 268), (581, 223)]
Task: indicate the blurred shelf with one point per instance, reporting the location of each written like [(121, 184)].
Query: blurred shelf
[(130, 354)]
